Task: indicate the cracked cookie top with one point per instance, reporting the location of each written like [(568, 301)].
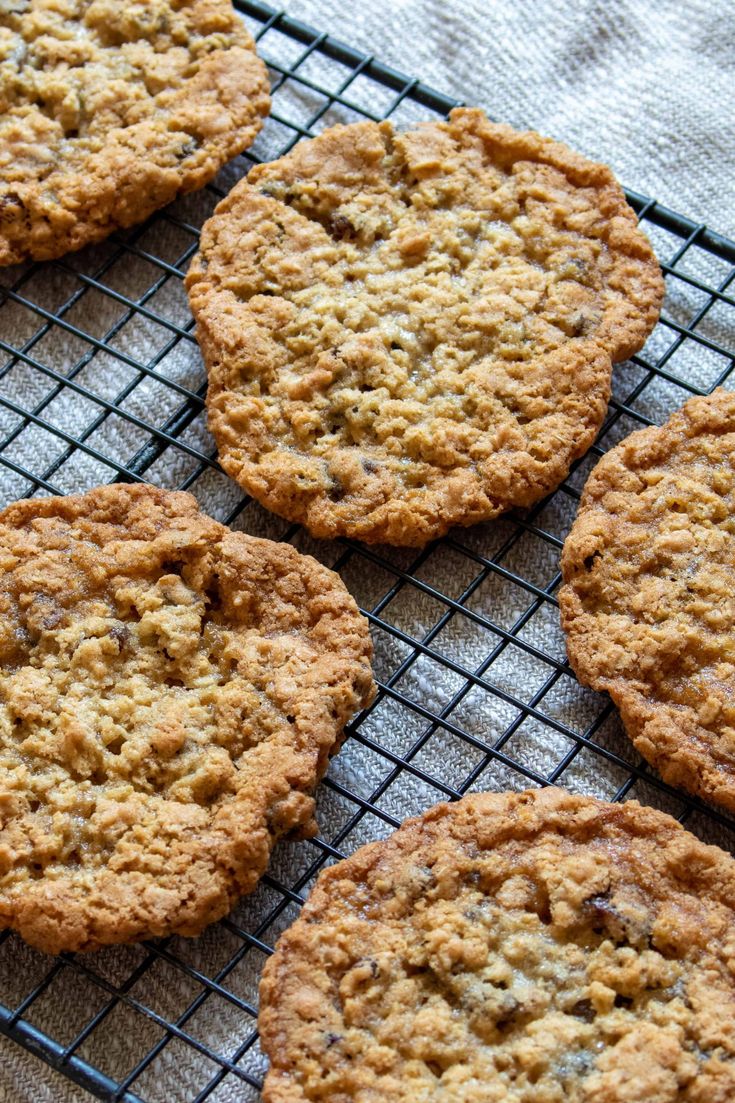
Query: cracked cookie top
[(170, 692), (648, 604), (110, 109), (511, 948), (409, 331)]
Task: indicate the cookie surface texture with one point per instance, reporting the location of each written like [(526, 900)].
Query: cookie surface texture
[(170, 692), (409, 331), (648, 603), (534, 947), (110, 109)]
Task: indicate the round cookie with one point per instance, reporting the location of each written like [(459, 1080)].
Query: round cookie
[(170, 692), (534, 947), (648, 606), (409, 331), (109, 109)]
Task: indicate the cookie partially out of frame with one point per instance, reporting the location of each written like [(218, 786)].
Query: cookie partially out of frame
[(110, 109), (409, 331), (511, 948), (648, 604), (170, 692)]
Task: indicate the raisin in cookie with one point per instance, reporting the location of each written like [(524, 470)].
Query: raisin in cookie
[(649, 598), (170, 692), (109, 109), (409, 331), (511, 948)]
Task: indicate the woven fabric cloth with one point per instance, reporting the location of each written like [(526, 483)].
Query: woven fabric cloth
[(647, 89)]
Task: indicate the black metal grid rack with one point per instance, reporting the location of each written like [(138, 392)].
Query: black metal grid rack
[(100, 379)]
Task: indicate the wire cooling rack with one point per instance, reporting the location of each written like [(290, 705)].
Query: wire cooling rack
[(101, 380)]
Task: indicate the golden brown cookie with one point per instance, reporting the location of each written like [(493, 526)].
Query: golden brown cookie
[(534, 947), (410, 331), (109, 109), (170, 692), (649, 601)]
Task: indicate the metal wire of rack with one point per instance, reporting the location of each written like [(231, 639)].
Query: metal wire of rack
[(100, 380)]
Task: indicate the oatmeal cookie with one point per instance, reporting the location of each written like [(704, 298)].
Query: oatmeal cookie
[(649, 598), (109, 109), (409, 331), (534, 947), (170, 692)]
